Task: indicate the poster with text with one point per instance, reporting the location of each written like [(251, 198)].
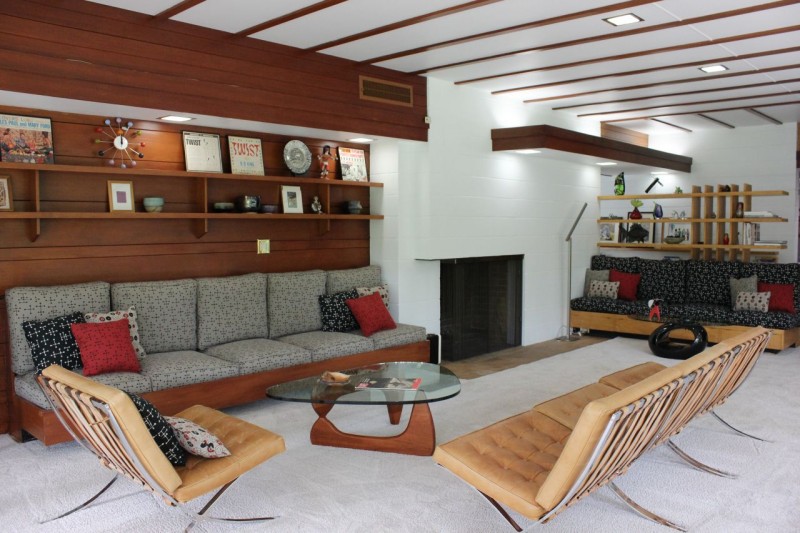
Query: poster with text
[(246, 155), (354, 164), (26, 139), (202, 152)]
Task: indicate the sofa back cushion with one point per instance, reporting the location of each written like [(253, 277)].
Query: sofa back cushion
[(708, 282), (231, 308), (43, 303), (167, 312), (665, 280), (630, 265), (293, 302), (344, 280)]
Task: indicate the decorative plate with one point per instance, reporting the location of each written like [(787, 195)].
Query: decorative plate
[(297, 156)]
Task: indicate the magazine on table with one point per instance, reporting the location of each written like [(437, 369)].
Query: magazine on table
[(389, 383)]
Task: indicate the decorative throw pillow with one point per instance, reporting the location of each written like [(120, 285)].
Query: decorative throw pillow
[(133, 328), (743, 285), (628, 284), (752, 301), (52, 342), (383, 290), (160, 430), (603, 289), (196, 439), (782, 298), (105, 347), (336, 316), (594, 275), (371, 314)]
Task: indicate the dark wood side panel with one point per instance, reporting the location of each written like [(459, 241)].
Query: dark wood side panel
[(616, 133)]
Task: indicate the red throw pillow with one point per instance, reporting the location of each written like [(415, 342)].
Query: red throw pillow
[(782, 297), (106, 347), (371, 315), (628, 284)]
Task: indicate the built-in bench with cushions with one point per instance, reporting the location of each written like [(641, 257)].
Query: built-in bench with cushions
[(695, 291), (213, 341)]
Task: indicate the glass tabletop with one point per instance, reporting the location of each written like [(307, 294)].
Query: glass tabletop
[(435, 383)]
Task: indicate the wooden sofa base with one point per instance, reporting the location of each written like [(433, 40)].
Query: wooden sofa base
[(45, 426), (780, 340)]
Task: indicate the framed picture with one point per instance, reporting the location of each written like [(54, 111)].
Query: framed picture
[(636, 233), (608, 231), (6, 201), (247, 156), (26, 139), (353, 163), (292, 199), (120, 196), (202, 152), (678, 233)]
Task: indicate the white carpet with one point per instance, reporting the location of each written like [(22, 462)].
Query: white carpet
[(316, 489)]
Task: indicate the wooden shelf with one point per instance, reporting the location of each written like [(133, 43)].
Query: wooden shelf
[(223, 216), (691, 246), (691, 195), (687, 220)]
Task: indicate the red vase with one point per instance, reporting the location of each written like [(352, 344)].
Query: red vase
[(635, 214)]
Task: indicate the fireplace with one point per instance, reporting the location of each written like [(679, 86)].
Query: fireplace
[(481, 305)]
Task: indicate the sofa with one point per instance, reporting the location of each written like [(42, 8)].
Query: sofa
[(539, 462), (694, 291), (214, 341)]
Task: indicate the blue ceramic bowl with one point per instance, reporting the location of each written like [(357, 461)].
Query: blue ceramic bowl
[(153, 204)]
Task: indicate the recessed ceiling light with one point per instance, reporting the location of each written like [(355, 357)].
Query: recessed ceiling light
[(606, 164), (175, 118), (621, 20), (527, 151), (361, 140), (659, 173), (714, 68)]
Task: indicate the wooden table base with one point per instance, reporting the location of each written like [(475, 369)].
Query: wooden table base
[(419, 437)]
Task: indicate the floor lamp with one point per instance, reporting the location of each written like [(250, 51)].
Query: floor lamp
[(569, 336)]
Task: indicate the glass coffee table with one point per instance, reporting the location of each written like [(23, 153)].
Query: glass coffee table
[(436, 383)]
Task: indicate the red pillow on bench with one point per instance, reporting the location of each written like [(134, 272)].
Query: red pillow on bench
[(106, 347), (371, 315), (782, 297), (628, 284)]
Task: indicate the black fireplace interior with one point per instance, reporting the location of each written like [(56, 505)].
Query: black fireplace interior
[(481, 305)]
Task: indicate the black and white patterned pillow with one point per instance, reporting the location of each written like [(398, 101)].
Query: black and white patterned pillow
[(52, 341), (160, 430), (603, 289), (336, 316), (752, 301)]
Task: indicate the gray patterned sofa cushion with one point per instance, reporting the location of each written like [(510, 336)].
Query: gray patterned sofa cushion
[(258, 355), (328, 344), (402, 334), (167, 312), (26, 387), (344, 280), (43, 303), (231, 308), (293, 302), (175, 369)]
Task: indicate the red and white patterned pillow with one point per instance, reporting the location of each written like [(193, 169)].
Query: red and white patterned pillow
[(112, 316), (196, 439), (383, 290), (105, 347)]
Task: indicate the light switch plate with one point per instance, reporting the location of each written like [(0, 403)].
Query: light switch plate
[(263, 246)]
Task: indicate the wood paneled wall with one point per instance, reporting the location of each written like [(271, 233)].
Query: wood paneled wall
[(71, 251), (88, 51)]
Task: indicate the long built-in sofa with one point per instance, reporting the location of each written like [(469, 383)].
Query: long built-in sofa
[(213, 341)]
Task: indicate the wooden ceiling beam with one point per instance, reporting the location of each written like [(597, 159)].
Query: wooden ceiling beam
[(687, 130), (738, 108), (313, 8), (617, 35), (180, 7), (511, 29), (641, 53), (712, 119), (764, 116)]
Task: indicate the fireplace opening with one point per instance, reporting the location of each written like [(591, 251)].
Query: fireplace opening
[(481, 305)]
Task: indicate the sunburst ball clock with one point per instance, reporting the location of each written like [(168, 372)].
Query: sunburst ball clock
[(120, 137)]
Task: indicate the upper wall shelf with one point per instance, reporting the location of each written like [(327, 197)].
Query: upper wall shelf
[(551, 137)]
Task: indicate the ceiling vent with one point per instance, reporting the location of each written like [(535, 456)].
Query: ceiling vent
[(384, 91)]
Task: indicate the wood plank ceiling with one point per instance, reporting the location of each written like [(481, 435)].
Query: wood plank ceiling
[(643, 76)]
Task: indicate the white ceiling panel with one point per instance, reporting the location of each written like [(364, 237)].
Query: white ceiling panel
[(751, 23), (685, 9), (236, 15), (148, 7)]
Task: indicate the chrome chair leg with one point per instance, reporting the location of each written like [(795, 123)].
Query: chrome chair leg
[(739, 431), (642, 511), (697, 464), (202, 517), (84, 504)]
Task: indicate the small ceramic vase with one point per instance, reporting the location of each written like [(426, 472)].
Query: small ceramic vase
[(635, 214), (726, 239), (658, 212)]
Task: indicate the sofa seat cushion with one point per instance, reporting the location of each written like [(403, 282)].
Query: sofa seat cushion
[(720, 314), (175, 369), (329, 344), (629, 376), (26, 386), (607, 305), (293, 302), (567, 408), (402, 334), (230, 309), (259, 355)]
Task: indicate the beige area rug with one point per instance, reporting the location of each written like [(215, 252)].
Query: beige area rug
[(320, 489)]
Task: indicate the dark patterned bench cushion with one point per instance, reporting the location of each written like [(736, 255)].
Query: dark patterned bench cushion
[(708, 282), (661, 279), (623, 264)]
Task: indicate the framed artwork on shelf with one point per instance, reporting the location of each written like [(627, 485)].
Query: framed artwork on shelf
[(120, 197), (247, 157), (636, 233), (202, 152), (292, 198), (26, 139), (677, 233), (353, 163), (608, 231), (6, 201)]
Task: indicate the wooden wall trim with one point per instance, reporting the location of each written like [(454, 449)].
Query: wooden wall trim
[(617, 133)]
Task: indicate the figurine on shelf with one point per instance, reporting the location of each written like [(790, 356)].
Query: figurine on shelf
[(619, 184), (726, 239), (316, 206), (655, 309), (739, 210), (327, 163)]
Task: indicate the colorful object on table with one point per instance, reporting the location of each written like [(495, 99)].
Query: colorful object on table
[(619, 184), (655, 309), (120, 138)]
